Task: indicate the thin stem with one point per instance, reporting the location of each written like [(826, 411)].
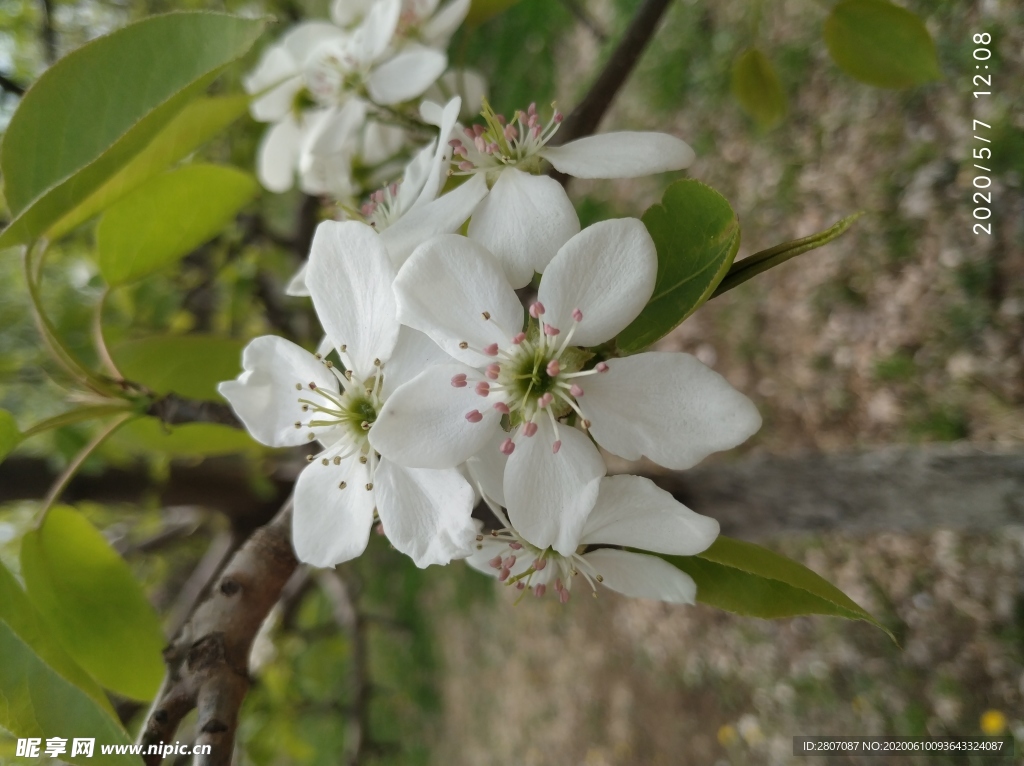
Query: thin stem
[(11, 86), (75, 416), (577, 10), (99, 342), (72, 468), (84, 376)]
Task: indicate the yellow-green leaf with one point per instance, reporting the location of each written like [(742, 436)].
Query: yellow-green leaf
[(757, 88), (697, 236), (191, 440), (93, 111), (88, 596), (881, 44), (167, 217), (482, 10), (750, 580), (187, 365), (192, 127), (9, 434)]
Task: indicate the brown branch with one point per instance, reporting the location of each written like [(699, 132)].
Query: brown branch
[(176, 410), (11, 86), (208, 660), (584, 119)]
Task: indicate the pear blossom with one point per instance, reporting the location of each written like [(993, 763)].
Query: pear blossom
[(538, 387), (527, 216), (409, 212), (287, 397), (318, 85), (629, 511)]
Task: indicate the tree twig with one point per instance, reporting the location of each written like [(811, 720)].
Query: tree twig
[(208, 660), (584, 119), (48, 34), (586, 19), (177, 410), (11, 86)]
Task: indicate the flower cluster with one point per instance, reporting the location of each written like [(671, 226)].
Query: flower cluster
[(437, 387), (334, 92)]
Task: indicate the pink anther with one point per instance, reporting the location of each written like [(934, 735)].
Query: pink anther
[(493, 371), (501, 407), (495, 563), (536, 309), (553, 368), (491, 350), (465, 165), (519, 338), (539, 564), (474, 416), (602, 367), (577, 315), (556, 446), (483, 388), (507, 447), (520, 585), (529, 429), (545, 400), (503, 575), (515, 546), (575, 390), (459, 381), (539, 589), (551, 331)]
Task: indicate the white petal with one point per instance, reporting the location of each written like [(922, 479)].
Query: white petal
[(302, 39), (635, 512), (278, 155), (381, 142), (668, 407), (405, 76), (620, 155), (550, 494), (523, 221), (414, 352), (487, 469), (426, 514), (607, 271), (274, 83), (489, 548), (444, 289), (642, 576), (444, 215), (335, 131), (347, 12), (329, 524), (439, 29), (264, 396), (296, 286), (374, 34), (415, 176), (436, 174), (350, 278), (423, 423)]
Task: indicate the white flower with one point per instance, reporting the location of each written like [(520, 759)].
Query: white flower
[(287, 397), (410, 212), (420, 20), (630, 511), (666, 406), (527, 217)]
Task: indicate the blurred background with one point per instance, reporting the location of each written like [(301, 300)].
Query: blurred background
[(889, 368)]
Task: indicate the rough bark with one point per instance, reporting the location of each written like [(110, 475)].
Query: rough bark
[(208, 659), (892, 488)]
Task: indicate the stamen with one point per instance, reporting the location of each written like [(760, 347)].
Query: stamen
[(483, 388), (529, 429), (602, 367), (575, 390), (474, 416), (536, 309), (491, 350), (577, 315), (539, 589), (519, 338), (555, 447), (553, 368), (493, 371), (459, 381), (551, 331), (502, 408), (507, 447)]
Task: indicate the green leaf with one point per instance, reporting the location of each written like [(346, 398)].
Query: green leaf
[(167, 217), (88, 595), (881, 44), (89, 114), (40, 702), (697, 236), (192, 440), (187, 365), (9, 434), (753, 581), (196, 124), (482, 10), (757, 88), (17, 612), (760, 262)]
